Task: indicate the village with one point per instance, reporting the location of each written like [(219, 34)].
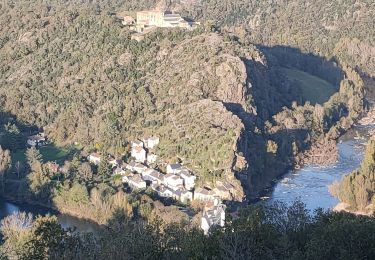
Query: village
[(141, 171)]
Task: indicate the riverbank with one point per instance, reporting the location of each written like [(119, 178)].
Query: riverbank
[(345, 207)]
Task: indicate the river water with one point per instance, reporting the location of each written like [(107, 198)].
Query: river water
[(310, 184), (8, 208)]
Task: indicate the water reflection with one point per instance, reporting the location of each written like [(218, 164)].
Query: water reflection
[(7, 208)]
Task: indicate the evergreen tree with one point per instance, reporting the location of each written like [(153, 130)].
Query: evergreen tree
[(5, 164)]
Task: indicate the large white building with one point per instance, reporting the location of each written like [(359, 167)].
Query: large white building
[(213, 216), (162, 19)]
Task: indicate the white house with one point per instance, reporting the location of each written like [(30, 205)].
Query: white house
[(137, 143), (214, 216), (146, 174), (94, 158), (157, 177), (174, 168), (151, 142), (189, 179), (119, 171), (136, 182), (139, 154), (186, 196), (173, 181), (203, 194), (136, 167), (223, 190), (37, 140), (151, 158), (113, 162), (163, 191)]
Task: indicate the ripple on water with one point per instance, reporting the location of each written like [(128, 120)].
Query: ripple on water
[(310, 184)]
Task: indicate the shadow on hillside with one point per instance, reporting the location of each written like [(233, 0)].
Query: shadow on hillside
[(271, 92), (272, 89)]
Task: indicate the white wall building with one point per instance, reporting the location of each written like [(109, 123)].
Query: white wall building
[(214, 216), (94, 158), (189, 179), (174, 168), (151, 158), (139, 154), (173, 181), (151, 142)]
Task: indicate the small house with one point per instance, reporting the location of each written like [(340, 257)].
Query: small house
[(136, 182), (139, 154), (223, 190), (163, 191), (37, 140), (119, 171), (94, 158), (173, 168), (151, 142), (146, 174), (157, 177), (186, 196), (151, 158), (189, 179), (214, 216), (173, 181), (203, 194), (113, 162)]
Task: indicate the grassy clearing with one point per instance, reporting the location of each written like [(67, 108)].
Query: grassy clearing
[(314, 89), (49, 152)]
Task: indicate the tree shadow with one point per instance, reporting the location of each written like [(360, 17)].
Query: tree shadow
[(272, 89), (271, 93)]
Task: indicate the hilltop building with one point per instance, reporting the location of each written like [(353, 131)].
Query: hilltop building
[(163, 19)]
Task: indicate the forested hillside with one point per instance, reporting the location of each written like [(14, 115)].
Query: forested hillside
[(357, 188), (275, 232), (218, 103)]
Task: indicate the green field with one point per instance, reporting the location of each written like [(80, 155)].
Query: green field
[(49, 153), (314, 89)]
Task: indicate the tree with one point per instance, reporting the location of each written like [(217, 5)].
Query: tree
[(104, 169), (16, 232), (85, 171), (47, 240), (5, 164), (34, 158)]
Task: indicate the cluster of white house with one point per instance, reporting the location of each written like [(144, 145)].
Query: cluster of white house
[(178, 182)]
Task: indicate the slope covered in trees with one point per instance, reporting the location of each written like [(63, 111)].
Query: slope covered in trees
[(217, 102), (357, 189), (276, 232)]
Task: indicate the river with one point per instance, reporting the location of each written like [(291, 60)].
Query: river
[(8, 208), (310, 184)]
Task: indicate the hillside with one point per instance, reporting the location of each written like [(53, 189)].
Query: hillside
[(357, 188), (221, 105)]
